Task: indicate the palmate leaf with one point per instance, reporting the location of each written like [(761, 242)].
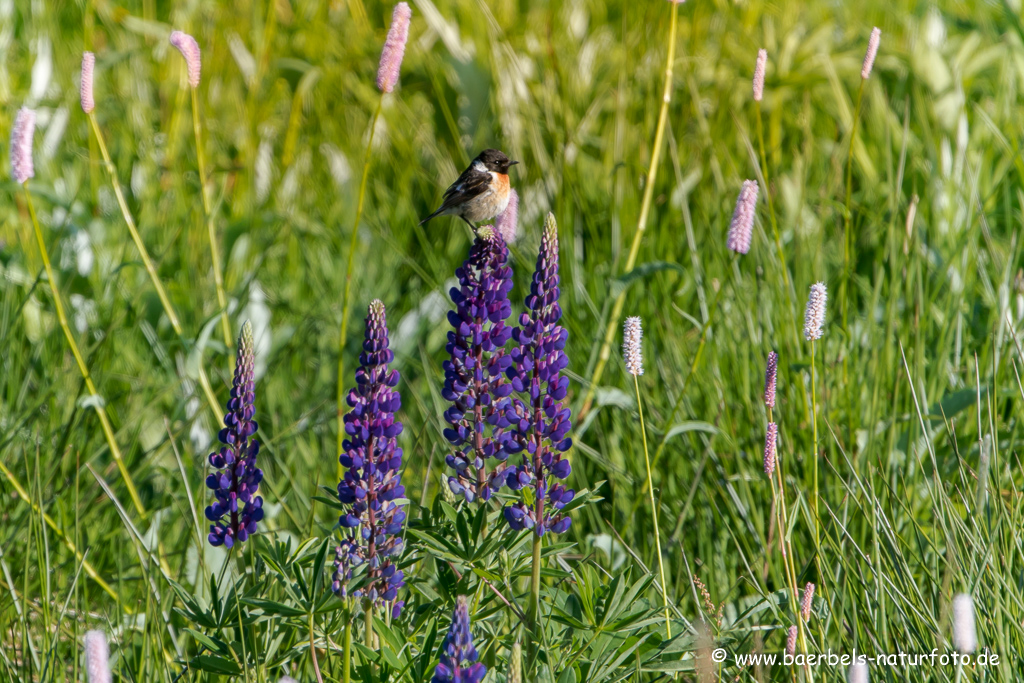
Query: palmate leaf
[(215, 665)]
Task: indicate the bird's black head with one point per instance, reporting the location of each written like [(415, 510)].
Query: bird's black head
[(495, 161)]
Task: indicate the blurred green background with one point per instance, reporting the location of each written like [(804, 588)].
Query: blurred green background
[(920, 480)]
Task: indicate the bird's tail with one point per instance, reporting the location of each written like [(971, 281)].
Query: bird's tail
[(436, 213)]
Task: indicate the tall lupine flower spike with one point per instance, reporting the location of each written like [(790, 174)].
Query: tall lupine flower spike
[(741, 228), (965, 637), (189, 49), (515, 664), (394, 48), (238, 479), (762, 60), (872, 51), (88, 66), (540, 423), (791, 640), (814, 314), (21, 145), (771, 439), (807, 602), (458, 656), (632, 343), (770, 379), (97, 657), (507, 222), (372, 488), (474, 381)]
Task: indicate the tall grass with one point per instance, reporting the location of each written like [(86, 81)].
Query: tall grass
[(917, 397)]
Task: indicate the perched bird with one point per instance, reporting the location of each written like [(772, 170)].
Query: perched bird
[(481, 192)]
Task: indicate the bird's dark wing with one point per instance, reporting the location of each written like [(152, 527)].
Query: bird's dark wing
[(472, 183)]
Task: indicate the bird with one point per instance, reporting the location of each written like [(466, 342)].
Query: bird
[(481, 192)]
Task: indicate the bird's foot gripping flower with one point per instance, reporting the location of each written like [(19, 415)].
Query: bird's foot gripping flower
[(371, 488), (458, 656), (474, 374), (538, 422), (238, 509)]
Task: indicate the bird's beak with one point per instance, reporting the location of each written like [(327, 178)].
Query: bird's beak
[(512, 163)]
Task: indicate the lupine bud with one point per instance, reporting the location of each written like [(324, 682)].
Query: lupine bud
[(189, 49), (97, 657), (762, 60), (741, 228), (458, 656), (858, 672), (770, 377), (791, 640), (88, 66), (474, 381), (373, 464), (540, 421), (507, 222), (770, 446), (237, 479), (515, 664), (394, 48), (632, 338), (869, 56), (814, 314), (21, 145), (807, 602), (965, 637)]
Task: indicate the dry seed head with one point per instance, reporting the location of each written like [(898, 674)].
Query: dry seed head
[(814, 314), (632, 336), (965, 637), (791, 640), (762, 60), (807, 602), (394, 48), (857, 673), (771, 440), (507, 222), (189, 49), (741, 227), (88, 66), (97, 657), (22, 133), (869, 56), (770, 379)]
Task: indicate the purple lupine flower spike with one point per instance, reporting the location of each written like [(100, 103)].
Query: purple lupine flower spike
[(458, 656), (372, 486), (539, 424), (474, 374), (238, 509)]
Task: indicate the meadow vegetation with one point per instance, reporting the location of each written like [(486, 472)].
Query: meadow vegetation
[(283, 188)]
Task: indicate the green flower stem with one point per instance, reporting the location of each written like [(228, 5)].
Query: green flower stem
[(654, 509), (772, 218), (689, 375), (533, 610), (645, 207), (218, 278), (204, 381), (97, 400), (346, 656), (347, 300)]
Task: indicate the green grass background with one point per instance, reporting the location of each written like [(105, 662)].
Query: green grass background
[(918, 399)]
